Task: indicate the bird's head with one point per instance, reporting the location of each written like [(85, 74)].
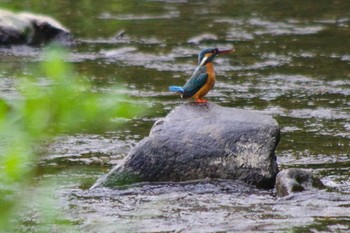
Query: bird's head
[(207, 55)]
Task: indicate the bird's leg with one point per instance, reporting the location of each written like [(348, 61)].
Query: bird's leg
[(200, 100)]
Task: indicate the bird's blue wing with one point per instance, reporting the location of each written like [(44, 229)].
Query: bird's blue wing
[(193, 85)]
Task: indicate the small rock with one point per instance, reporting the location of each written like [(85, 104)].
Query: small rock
[(201, 38), (296, 180), (198, 141)]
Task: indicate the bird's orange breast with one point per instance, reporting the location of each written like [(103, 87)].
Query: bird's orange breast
[(210, 81)]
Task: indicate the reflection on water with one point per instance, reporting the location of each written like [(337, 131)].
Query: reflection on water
[(292, 61)]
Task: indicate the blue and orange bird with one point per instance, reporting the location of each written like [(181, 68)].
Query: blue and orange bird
[(203, 78)]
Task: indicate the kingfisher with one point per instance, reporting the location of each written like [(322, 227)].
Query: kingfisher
[(203, 77)]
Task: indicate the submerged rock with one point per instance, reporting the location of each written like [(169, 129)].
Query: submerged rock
[(198, 141), (201, 38), (31, 29), (294, 180)]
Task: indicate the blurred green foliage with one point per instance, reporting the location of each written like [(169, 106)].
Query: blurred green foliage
[(53, 102)]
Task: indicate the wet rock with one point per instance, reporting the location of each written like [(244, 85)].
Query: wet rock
[(294, 180), (31, 29), (202, 38), (198, 141)]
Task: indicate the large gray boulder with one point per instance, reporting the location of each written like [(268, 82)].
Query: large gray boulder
[(31, 29), (198, 141)]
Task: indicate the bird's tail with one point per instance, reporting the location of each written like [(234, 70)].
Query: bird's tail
[(176, 89)]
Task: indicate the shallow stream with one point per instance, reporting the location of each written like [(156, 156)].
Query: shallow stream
[(292, 61)]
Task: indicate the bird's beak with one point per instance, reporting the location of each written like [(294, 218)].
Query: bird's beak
[(220, 52), (226, 51)]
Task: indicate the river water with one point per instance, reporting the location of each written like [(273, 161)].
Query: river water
[(292, 61)]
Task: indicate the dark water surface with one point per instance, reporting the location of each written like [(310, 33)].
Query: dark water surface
[(292, 61)]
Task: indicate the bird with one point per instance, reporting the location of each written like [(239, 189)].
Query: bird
[(203, 77)]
